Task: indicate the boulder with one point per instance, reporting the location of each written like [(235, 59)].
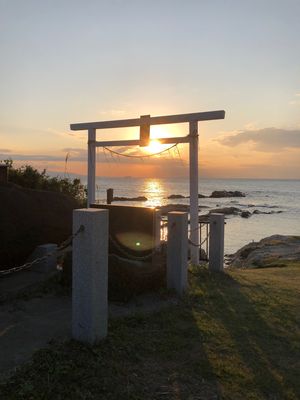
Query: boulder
[(273, 251), (30, 218), (225, 193)]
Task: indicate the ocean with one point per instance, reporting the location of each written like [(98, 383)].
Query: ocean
[(263, 195)]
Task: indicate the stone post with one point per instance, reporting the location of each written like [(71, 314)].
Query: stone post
[(90, 265), (109, 195), (216, 242), (177, 251)]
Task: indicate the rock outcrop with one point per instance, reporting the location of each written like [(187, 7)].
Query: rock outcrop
[(273, 251)]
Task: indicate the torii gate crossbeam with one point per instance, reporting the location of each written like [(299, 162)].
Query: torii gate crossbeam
[(144, 122)]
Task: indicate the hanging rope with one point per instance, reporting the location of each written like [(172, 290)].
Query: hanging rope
[(112, 152)]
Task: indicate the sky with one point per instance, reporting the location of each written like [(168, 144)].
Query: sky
[(68, 61)]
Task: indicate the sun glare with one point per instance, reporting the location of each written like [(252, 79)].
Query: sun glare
[(154, 146)]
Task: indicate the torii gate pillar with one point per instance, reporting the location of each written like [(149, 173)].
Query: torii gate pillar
[(194, 225), (91, 195)]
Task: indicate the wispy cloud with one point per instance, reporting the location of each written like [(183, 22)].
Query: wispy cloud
[(266, 140), (296, 100)]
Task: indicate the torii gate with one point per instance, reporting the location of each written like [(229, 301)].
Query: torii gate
[(144, 122)]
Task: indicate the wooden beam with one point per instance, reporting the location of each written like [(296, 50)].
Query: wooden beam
[(167, 119)]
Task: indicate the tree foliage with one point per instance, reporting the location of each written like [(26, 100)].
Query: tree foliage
[(29, 177)]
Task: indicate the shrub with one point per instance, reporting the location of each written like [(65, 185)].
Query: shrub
[(29, 177)]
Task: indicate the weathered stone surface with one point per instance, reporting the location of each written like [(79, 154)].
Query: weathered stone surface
[(272, 251), (30, 218), (225, 193)]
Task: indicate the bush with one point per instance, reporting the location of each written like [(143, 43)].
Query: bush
[(29, 177)]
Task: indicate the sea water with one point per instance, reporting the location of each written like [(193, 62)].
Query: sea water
[(263, 195)]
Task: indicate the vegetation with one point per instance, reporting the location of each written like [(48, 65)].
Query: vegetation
[(29, 177), (234, 336)]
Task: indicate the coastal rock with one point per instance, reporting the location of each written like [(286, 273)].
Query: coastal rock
[(246, 214), (225, 193), (226, 211), (139, 198), (176, 196), (273, 251), (267, 212), (200, 196)]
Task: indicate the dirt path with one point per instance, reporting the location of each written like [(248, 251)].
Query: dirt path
[(26, 326)]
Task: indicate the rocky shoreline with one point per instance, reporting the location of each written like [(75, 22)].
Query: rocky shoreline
[(272, 251)]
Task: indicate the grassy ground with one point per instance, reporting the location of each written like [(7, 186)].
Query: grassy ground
[(234, 336)]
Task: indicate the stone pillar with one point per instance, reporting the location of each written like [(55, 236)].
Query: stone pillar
[(90, 270), (177, 251), (3, 173), (216, 242)]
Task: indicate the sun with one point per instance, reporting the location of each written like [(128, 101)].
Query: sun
[(154, 146)]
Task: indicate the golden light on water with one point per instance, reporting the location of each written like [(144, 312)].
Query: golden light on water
[(154, 191)]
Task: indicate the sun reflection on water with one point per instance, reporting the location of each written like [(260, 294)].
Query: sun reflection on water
[(154, 191)]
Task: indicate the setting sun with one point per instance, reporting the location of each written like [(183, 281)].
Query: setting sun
[(154, 146)]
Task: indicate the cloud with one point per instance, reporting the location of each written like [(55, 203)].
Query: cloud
[(296, 101), (5, 151), (266, 140)]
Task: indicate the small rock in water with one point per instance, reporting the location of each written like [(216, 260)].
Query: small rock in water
[(139, 198), (225, 193), (246, 214), (176, 196), (226, 210)]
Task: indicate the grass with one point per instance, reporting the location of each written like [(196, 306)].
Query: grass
[(234, 336)]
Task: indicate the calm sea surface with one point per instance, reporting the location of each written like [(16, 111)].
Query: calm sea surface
[(262, 195)]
